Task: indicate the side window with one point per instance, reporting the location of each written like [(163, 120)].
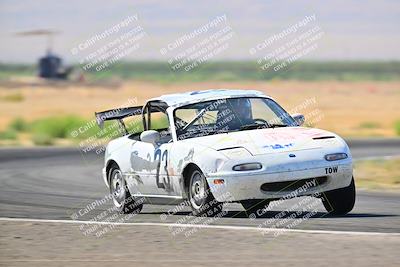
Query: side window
[(268, 112), (134, 124), (260, 111), (158, 120)]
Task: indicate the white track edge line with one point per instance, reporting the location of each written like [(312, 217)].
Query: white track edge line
[(227, 227)]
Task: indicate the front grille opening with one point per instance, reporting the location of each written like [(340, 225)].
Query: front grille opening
[(294, 185)]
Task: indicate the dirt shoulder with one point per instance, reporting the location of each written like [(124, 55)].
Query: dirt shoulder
[(348, 108)]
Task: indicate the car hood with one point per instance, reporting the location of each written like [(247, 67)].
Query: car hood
[(271, 140)]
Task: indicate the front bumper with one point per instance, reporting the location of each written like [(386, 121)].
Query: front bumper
[(239, 186)]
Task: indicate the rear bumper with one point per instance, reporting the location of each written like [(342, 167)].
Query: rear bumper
[(239, 186)]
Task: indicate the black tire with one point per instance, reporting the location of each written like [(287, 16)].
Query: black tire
[(340, 201), (255, 207), (201, 199), (122, 199)]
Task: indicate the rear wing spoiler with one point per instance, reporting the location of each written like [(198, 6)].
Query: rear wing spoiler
[(117, 114)]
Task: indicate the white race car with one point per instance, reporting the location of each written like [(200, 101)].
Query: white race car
[(210, 147)]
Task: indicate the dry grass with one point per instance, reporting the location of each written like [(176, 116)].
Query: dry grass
[(342, 107), (378, 174)]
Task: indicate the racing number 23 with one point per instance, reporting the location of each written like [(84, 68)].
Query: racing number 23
[(160, 156)]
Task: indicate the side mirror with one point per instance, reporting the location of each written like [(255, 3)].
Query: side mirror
[(299, 118), (150, 136)]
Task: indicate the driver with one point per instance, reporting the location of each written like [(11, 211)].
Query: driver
[(242, 113)]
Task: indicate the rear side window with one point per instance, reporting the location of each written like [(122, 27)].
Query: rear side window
[(158, 120)]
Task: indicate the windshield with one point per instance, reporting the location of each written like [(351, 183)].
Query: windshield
[(227, 115)]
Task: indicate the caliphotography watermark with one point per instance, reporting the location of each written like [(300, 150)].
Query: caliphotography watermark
[(102, 216), (200, 45), (93, 136), (111, 45), (280, 50), (209, 213), (277, 218)]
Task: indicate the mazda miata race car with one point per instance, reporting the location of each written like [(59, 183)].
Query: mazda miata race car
[(210, 147)]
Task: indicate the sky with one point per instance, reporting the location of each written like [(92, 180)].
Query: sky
[(352, 30)]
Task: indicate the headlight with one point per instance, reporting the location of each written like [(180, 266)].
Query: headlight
[(247, 167), (336, 156)]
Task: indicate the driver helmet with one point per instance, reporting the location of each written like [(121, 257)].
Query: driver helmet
[(241, 107)]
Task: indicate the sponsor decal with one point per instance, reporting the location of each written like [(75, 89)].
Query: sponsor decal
[(279, 146), (331, 170)]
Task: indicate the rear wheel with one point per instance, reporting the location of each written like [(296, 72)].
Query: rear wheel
[(255, 207), (122, 199), (340, 201), (201, 199)]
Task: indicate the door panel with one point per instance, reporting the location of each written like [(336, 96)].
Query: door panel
[(142, 164), (149, 169), (163, 180)]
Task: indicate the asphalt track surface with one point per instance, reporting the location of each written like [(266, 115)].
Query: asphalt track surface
[(42, 188), (54, 183)]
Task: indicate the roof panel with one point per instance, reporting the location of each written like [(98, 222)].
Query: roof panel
[(204, 95)]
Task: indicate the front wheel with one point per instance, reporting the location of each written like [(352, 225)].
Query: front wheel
[(340, 201), (122, 199), (201, 199)]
